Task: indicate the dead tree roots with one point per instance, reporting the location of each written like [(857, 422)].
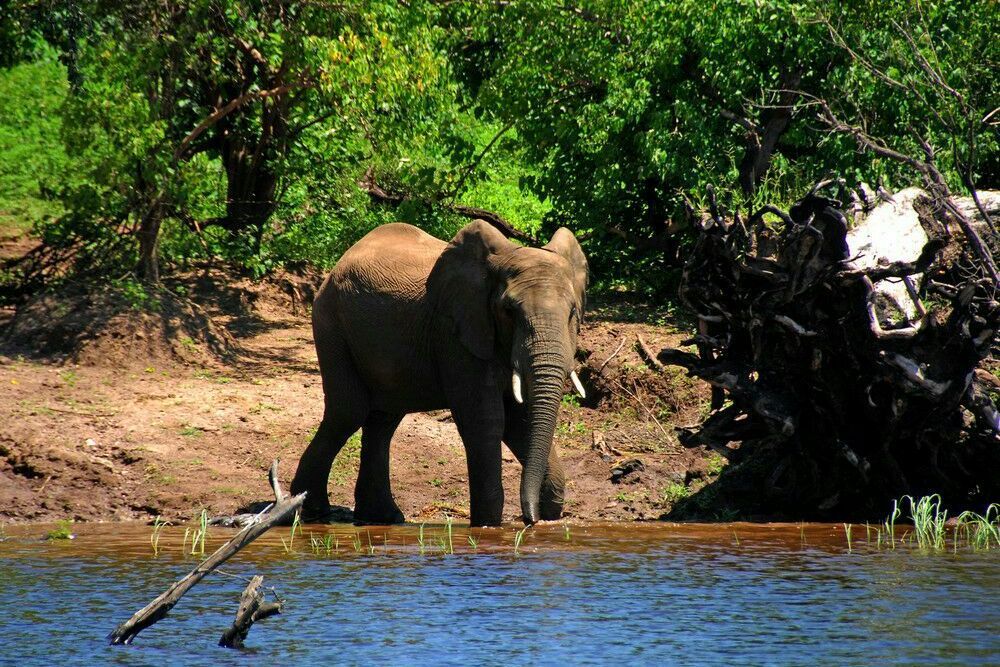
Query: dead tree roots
[(831, 409)]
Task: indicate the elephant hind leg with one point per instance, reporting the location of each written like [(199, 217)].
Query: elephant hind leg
[(346, 408), (314, 466), (373, 501)]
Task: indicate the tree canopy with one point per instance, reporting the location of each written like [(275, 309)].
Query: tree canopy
[(270, 132)]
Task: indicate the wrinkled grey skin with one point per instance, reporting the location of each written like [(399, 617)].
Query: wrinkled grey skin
[(408, 323)]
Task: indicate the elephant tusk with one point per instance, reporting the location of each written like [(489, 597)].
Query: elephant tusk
[(577, 384), (516, 385)]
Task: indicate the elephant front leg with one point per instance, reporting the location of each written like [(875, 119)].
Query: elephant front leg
[(552, 497), (475, 394), (481, 434)]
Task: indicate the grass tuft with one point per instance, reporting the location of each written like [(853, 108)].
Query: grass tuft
[(296, 527), (450, 546), (62, 531), (198, 535), (518, 539), (981, 531), (154, 538), (928, 521), (978, 531)]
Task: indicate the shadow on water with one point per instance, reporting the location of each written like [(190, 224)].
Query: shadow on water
[(689, 594)]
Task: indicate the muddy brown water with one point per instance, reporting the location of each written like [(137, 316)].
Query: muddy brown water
[(685, 594)]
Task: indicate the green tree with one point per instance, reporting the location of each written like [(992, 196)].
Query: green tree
[(258, 88), (629, 110)]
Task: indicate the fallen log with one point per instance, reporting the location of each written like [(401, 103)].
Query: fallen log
[(158, 608), (252, 609)]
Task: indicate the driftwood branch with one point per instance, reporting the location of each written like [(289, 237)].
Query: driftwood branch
[(647, 354), (252, 609), (383, 196), (612, 355), (272, 477), (158, 608)]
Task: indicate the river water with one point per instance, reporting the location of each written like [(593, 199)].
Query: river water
[(721, 594)]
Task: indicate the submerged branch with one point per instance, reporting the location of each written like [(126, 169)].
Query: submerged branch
[(158, 608)]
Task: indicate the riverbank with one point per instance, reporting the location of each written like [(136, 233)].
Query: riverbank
[(115, 410)]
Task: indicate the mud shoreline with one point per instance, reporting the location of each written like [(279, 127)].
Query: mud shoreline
[(139, 418)]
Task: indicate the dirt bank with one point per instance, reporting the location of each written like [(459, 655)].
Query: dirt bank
[(129, 414)]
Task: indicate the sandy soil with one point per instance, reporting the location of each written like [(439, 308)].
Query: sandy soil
[(136, 415)]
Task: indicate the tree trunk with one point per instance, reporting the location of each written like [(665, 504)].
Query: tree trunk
[(761, 145), (250, 190), (252, 182), (149, 233)]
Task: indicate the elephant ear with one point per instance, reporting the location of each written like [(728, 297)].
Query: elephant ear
[(564, 244), (462, 284)]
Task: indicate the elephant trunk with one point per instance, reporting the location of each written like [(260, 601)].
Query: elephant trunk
[(545, 378)]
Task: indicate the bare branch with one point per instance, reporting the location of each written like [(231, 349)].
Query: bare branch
[(378, 193), (232, 106)]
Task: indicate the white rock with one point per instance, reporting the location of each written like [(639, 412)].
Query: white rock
[(890, 233)]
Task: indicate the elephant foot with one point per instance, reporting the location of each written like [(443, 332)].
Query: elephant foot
[(315, 512), (550, 511), (378, 516), (482, 519)]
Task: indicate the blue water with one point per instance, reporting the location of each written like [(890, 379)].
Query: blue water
[(649, 595)]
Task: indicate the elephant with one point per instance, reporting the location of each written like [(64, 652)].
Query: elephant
[(484, 327)]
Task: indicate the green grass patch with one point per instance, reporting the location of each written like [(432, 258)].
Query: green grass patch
[(715, 464), (673, 493), (62, 531)]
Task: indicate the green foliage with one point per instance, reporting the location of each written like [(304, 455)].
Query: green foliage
[(34, 166), (673, 493), (629, 110), (903, 48), (620, 106), (246, 127), (241, 130)]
